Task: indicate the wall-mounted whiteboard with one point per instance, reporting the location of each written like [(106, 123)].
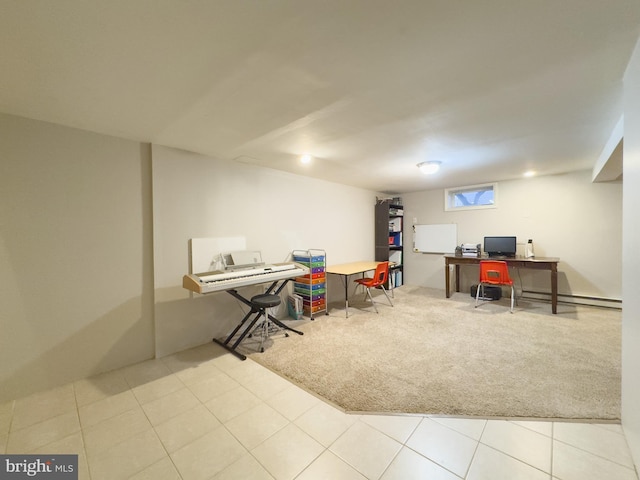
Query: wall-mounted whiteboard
[(442, 238)]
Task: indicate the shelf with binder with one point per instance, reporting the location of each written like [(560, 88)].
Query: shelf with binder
[(313, 286), (395, 256), (395, 239)]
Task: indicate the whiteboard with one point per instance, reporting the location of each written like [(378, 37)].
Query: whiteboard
[(442, 238)]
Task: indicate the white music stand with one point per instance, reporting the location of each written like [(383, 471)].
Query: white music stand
[(205, 253)]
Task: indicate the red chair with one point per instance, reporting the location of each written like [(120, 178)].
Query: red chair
[(379, 279), (493, 272)]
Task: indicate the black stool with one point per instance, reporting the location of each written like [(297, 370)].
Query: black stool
[(260, 303)]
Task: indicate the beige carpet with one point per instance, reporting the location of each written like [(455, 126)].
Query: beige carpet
[(433, 355)]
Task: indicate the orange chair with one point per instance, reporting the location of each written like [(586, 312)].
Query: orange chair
[(493, 272), (379, 279)]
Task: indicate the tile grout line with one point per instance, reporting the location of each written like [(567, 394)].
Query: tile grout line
[(475, 451), (84, 443), (153, 427), (553, 431), (426, 417)]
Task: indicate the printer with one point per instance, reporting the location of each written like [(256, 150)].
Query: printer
[(470, 250)]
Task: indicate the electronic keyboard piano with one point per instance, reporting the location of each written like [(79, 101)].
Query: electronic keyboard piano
[(229, 280), (217, 281)]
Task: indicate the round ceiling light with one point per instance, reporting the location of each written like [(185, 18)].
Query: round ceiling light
[(429, 168), (306, 158)]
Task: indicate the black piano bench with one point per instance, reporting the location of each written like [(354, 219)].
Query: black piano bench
[(265, 300), (260, 303)]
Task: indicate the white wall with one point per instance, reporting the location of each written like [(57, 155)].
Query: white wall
[(567, 216), (75, 264), (631, 266), (275, 212), (77, 246)]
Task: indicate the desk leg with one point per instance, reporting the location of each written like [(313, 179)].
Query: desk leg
[(554, 288), (447, 279), (457, 278), (346, 295)]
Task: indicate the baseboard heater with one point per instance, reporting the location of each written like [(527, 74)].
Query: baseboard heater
[(575, 299)]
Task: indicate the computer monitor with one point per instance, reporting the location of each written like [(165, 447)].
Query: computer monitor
[(500, 246)]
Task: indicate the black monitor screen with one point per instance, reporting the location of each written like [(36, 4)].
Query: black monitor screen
[(500, 246)]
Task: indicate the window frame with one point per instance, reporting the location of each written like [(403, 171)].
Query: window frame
[(449, 195)]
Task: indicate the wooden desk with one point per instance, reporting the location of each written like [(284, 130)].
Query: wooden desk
[(345, 270), (536, 263)]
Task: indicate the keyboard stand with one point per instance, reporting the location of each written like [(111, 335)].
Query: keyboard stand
[(232, 348)]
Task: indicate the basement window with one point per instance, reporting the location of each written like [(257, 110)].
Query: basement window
[(471, 197)]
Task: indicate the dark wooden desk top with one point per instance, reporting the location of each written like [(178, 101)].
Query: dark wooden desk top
[(519, 259)]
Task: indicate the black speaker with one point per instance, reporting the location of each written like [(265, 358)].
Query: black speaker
[(490, 293)]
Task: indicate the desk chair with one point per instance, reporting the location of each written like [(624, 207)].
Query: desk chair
[(260, 305), (494, 272), (379, 279)]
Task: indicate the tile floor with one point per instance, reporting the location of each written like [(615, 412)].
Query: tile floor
[(203, 414)]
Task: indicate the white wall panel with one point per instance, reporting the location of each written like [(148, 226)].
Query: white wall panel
[(567, 216), (196, 196), (75, 264)]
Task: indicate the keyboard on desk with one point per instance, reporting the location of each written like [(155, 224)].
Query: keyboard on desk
[(217, 281)]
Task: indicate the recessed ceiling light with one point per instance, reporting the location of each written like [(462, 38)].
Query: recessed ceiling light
[(306, 158), (429, 168), (529, 173)]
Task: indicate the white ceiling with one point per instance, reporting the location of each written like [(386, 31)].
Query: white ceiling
[(369, 87)]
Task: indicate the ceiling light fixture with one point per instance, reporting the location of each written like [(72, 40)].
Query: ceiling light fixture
[(429, 168), (529, 173), (306, 158)]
